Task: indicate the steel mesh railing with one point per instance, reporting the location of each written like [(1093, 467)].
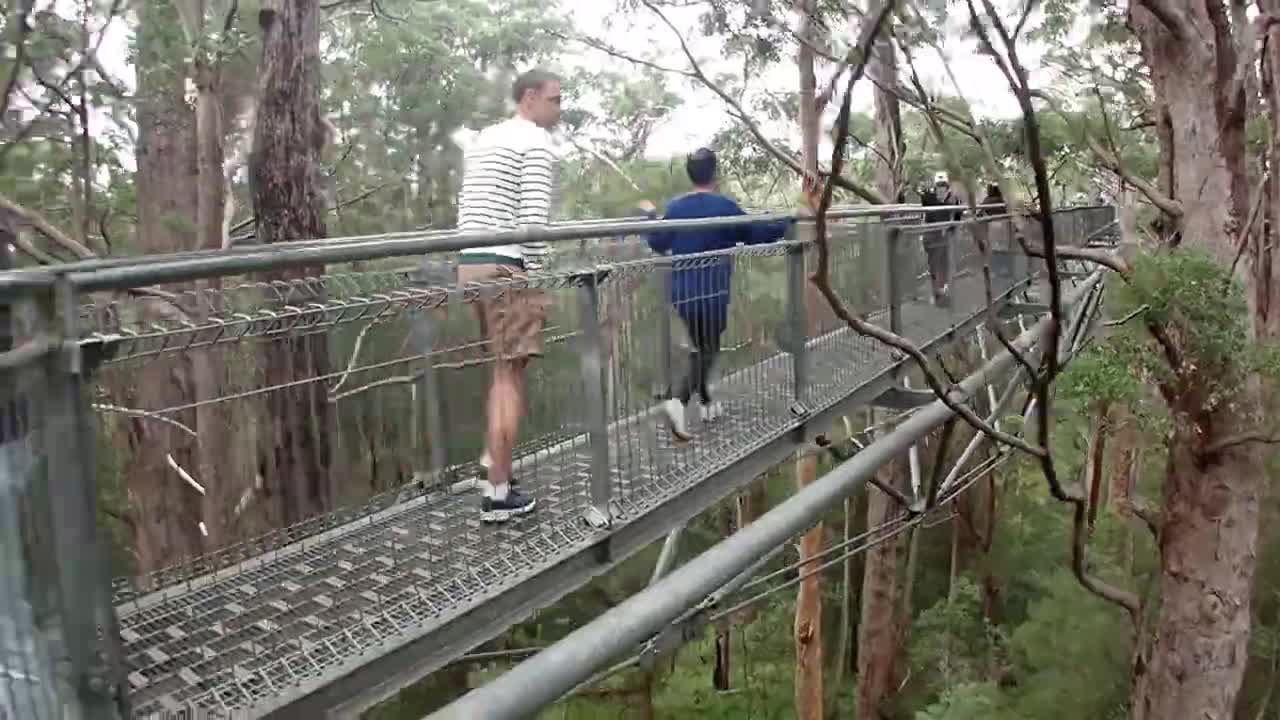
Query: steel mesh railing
[(200, 380)]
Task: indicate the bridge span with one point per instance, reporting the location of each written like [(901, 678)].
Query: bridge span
[(356, 362)]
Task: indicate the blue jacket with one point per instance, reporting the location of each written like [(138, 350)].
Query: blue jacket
[(705, 287)]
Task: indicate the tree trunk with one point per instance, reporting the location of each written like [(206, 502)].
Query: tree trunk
[(808, 624), (878, 626), (225, 483), (165, 510), (1266, 270), (1094, 467), (1194, 663), (888, 117), (878, 632), (289, 202), (722, 676)]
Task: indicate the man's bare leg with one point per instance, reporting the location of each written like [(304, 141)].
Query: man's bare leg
[(506, 407)]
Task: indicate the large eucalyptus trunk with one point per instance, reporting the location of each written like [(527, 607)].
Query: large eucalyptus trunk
[(879, 635), (164, 511), (293, 457), (1194, 662), (808, 622)]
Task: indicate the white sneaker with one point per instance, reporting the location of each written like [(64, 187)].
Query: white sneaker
[(673, 409), (712, 411)]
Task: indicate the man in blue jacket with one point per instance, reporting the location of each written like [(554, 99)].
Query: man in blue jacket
[(700, 288)]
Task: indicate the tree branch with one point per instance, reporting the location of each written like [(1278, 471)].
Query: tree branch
[(1079, 549), (1168, 205), (993, 167), (1105, 259), (870, 29), (44, 227), (102, 407), (1136, 312), (868, 194), (20, 30), (1168, 16), (614, 52), (1244, 438)]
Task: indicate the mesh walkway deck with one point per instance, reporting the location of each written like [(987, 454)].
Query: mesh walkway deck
[(260, 634)]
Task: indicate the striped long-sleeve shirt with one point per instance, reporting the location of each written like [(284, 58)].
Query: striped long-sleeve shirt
[(508, 181)]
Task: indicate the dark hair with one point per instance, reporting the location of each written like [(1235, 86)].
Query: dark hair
[(701, 166), (531, 80)]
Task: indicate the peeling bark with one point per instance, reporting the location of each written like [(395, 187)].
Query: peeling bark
[(1193, 663), (289, 202), (164, 510), (878, 627)]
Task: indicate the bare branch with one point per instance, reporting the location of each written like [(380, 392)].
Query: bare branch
[(355, 356), (1168, 205), (1079, 549), (395, 380), (1105, 259), (1136, 312), (1168, 16), (1244, 438), (102, 407), (604, 158), (38, 221), (1255, 208), (20, 31), (610, 50), (1027, 7), (821, 280), (868, 194)]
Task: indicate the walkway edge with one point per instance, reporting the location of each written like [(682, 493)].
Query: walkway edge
[(544, 678)]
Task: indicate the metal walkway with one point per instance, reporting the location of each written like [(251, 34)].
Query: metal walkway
[(347, 609)]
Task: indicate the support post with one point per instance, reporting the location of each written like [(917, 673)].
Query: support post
[(81, 561), (664, 328), (667, 557), (430, 443), (892, 284), (24, 650), (591, 357), (797, 322)]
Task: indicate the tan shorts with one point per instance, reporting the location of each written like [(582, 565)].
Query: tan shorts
[(511, 313)]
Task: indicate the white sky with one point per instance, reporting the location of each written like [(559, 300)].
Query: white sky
[(702, 114)]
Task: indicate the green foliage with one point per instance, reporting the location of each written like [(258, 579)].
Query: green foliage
[(952, 642), (966, 701), (1071, 655), (1188, 297)]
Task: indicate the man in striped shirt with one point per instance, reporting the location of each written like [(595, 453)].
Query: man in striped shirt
[(508, 182)]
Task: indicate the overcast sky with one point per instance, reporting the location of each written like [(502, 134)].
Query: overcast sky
[(702, 114)]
